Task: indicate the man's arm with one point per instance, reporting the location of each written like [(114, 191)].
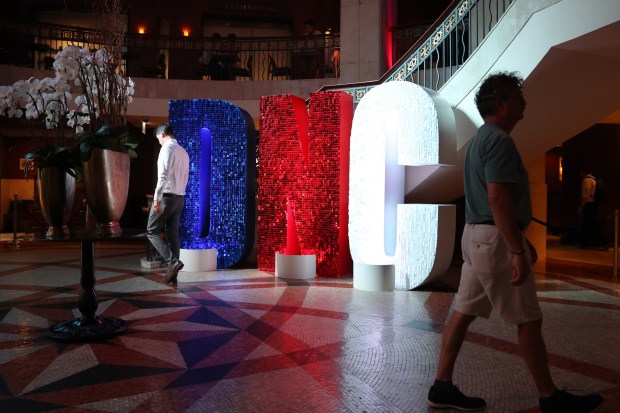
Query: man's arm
[(162, 177), (505, 217)]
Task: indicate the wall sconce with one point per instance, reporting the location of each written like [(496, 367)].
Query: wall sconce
[(185, 32), (141, 29), (144, 121)]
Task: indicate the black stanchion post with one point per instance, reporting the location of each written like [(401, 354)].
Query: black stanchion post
[(15, 242), (15, 217), (615, 244)]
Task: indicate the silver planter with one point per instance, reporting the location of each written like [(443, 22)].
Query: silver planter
[(56, 190), (106, 182)]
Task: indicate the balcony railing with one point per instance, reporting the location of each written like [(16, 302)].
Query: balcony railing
[(170, 57), (442, 49)]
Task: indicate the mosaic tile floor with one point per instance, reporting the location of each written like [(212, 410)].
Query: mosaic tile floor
[(244, 341)]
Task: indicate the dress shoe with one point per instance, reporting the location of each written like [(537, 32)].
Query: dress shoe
[(171, 275)]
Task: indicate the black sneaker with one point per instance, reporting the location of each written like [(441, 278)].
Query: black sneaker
[(452, 398), (564, 402)]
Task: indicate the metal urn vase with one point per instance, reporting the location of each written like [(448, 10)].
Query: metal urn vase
[(56, 190), (106, 182)]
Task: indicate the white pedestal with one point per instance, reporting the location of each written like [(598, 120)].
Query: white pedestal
[(369, 277), (198, 260), (145, 263), (295, 266)]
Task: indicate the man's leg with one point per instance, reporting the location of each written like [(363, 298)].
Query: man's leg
[(534, 353), (588, 224), (154, 226), (452, 340), (172, 228), (172, 232), (552, 400), (443, 393)]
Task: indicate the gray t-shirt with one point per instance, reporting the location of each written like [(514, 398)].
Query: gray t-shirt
[(493, 157)]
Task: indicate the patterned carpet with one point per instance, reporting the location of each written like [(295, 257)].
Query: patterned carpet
[(241, 340)]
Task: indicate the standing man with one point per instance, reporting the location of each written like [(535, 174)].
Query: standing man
[(497, 270), (588, 208), (172, 175)]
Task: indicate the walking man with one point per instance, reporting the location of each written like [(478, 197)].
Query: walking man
[(497, 270), (172, 175)]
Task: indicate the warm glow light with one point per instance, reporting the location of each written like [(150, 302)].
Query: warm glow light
[(391, 13), (560, 170), (141, 29), (185, 32)]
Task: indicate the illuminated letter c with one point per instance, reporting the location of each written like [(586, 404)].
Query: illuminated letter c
[(393, 244)]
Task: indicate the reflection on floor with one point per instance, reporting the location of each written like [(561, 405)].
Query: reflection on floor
[(556, 250), (244, 341)]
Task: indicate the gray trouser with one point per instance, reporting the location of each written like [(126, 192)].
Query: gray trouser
[(168, 217)]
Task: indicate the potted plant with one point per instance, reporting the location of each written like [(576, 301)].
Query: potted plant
[(66, 158), (97, 119), (44, 103), (105, 143)]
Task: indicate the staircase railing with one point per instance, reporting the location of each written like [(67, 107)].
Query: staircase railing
[(443, 49)]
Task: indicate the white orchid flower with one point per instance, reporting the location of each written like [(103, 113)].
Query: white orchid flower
[(101, 93)]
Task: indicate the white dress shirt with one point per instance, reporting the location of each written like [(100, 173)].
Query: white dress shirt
[(172, 170), (588, 189)]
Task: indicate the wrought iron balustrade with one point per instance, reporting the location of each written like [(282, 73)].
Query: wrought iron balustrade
[(170, 57), (442, 49)]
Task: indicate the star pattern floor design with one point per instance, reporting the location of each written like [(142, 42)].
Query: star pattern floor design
[(242, 340)]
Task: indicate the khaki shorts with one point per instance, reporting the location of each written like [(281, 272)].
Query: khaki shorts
[(485, 279)]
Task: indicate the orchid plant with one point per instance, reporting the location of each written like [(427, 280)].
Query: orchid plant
[(45, 101), (101, 108), (97, 115)]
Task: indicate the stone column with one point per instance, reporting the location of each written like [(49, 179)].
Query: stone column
[(363, 34), (537, 233)]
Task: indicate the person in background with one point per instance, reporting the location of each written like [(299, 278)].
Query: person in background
[(335, 58), (168, 202), (310, 29), (205, 58), (588, 208), (311, 57), (211, 66), (161, 66), (229, 58), (497, 271)]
